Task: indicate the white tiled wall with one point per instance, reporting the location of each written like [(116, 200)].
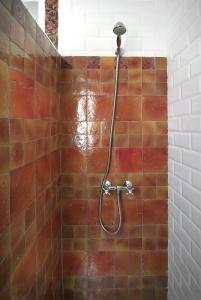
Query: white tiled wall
[(37, 10), (184, 73), (85, 26)]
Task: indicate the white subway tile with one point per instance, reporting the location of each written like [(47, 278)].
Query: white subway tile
[(181, 75), (196, 217), (195, 29), (181, 108), (192, 51), (175, 183), (179, 44), (195, 288), (175, 212), (183, 237), (196, 105), (174, 94), (192, 230), (191, 88), (195, 67), (192, 266), (193, 195), (191, 159), (99, 44), (196, 142), (196, 254), (175, 153), (182, 171), (174, 125), (182, 140), (191, 124), (182, 268)]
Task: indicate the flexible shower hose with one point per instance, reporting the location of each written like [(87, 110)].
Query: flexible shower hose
[(109, 157)]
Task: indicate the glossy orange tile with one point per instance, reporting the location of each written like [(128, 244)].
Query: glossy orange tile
[(75, 263), (134, 62), (25, 274), (151, 89), (124, 111), (22, 188), (75, 212), (107, 62), (127, 263), (134, 75), (155, 160), (96, 158), (4, 86), (154, 108), (151, 265), (161, 63), (4, 129), (42, 101), (148, 63), (100, 263), (22, 95), (42, 173), (108, 212), (128, 160), (4, 203), (155, 212), (76, 163), (73, 108), (16, 155)]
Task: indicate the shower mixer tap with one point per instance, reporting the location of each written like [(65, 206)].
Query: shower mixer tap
[(127, 186)]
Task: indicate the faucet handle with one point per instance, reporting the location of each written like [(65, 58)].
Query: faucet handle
[(130, 192), (106, 187), (129, 186)]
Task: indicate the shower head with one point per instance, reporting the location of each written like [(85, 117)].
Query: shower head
[(119, 28)]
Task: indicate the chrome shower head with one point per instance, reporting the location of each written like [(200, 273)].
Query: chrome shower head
[(119, 28)]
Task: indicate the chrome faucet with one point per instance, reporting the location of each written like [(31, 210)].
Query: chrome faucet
[(127, 186)]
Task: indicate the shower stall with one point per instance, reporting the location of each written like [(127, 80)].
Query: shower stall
[(84, 159)]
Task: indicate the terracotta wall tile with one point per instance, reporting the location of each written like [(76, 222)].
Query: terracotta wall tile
[(128, 109), (154, 108), (22, 188), (96, 160), (4, 203), (155, 212), (76, 163), (155, 160), (75, 263), (29, 158), (75, 212), (4, 86), (22, 95), (151, 265), (42, 173), (127, 263), (139, 154), (100, 263), (25, 273), (128, 160)]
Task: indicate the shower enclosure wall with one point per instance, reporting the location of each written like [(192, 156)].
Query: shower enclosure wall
[(30, 244), (133, 263)]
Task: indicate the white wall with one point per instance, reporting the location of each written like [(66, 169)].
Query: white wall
[(37, 10), (85, 27), (184, 73)]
